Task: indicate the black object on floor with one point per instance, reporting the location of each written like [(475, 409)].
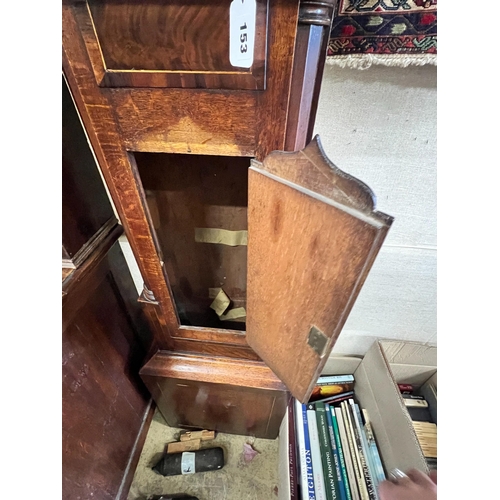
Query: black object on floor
[(190, 462)]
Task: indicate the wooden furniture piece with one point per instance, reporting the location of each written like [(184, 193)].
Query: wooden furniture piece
[(106, 408), (176, 111)]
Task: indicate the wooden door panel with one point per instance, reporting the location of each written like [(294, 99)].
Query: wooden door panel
[(169, 43), (313, 234), (223, 394)]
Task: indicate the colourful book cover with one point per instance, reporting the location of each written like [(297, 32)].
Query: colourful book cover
[(331, 385), (353, 485), (305, 459), (329, 468), (356, 460), (372, 493), (317, 463), (379, 468), (366, 447), (343, 480)]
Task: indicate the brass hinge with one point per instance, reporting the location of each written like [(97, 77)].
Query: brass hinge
[(317, 340)]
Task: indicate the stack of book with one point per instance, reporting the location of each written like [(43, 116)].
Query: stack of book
[(427, 437), (333, 453), (423, 423)]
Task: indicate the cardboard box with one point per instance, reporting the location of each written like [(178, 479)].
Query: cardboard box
[(376, 375)]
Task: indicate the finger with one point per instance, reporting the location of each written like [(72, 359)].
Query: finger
[(434, 476), (387, 490), (399, 477), (419, 478)]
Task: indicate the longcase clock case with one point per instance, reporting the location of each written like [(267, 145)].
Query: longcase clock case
[(252, 245)]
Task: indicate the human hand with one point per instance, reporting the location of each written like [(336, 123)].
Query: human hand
[(414, 485)]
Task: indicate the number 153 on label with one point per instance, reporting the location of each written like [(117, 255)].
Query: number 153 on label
[(242, 15)]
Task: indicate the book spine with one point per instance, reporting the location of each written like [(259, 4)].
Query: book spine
[(358, 468), (331, 481), (416, 397), (292, 451), (372, 494), (366, 448), (340, 454), (306, 473), (417, 401), (353, 486), (319, 479), (335, 379), (349, 386), (379, 468), (405, 388), (334, 399)]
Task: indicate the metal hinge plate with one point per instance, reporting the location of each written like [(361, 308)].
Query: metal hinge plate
[(317, 340)]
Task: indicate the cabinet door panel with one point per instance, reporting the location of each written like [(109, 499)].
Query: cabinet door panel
[(218, 393), (171, 43), (313, 234)]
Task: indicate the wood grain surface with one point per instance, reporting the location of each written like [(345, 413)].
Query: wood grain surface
[(105, 405), (308, 255), (273, 105), (168, 44), (304, 92), (98, 118), (159, 35), (224, 395), (189, 122), (123, 122), (313, 33), (190, 192)]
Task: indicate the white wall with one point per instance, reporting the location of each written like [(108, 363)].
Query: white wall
[(380, 126)]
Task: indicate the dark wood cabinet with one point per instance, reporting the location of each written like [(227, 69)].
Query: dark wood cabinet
[(105, 406), (86, 212), (176, 124)]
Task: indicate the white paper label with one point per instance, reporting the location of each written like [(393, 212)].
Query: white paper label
[(242, 16), (187, 463)]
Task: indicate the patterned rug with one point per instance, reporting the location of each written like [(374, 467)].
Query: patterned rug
[(389, 32)]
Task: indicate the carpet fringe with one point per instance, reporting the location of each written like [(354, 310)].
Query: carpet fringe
[(364, 61)]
